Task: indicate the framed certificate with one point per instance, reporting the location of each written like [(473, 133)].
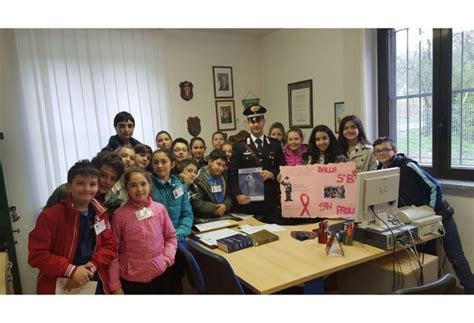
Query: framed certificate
[(300, 104), (338, 115)]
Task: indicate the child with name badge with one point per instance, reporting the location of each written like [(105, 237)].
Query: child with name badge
[(198, 147), (147, 241), (171, 192), (213, 196), (73, 240)]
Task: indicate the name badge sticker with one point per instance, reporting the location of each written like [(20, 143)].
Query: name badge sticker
[(99, 227), (216, 189), (178, 192), (143, 214)]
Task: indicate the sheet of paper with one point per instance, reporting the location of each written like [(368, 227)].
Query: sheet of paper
[(213, 225), (88, 289), (210, 238), (249, 229)]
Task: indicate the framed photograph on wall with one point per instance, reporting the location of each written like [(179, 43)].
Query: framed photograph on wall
[(338, 115), (225, 115), (300, 104), (223, 82)]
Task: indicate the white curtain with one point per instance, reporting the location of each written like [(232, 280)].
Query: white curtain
[(73, 82)]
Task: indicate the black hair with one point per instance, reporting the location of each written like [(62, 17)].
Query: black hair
[(278, 125), (123, 117), (181, 165), (196, 139), (142, 149), (110, 159), (168, 153), (180, 140), (130, 171), (217, 154), (382, 140), (361, 137), (219, 133), (82, 168), (163, 132), (333, 150)]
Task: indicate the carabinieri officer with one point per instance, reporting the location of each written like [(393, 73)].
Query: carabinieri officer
[(257, 151)]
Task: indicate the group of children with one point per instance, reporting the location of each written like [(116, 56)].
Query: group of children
[(119, 218), (323, 147)]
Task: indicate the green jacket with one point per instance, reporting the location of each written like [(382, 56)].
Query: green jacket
[(203, 200)]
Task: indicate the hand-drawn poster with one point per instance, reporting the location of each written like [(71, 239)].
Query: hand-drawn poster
[(251, 183), (318, 191)]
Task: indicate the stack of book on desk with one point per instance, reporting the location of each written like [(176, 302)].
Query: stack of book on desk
[(263, 237), (234, 243), (240, 241)]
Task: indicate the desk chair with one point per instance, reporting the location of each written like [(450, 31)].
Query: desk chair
[(444, 285), (219, 278), (193, 271)]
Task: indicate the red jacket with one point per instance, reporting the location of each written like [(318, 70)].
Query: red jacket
[(52, 245)]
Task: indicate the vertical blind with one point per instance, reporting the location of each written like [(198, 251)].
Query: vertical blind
[(73, 82)]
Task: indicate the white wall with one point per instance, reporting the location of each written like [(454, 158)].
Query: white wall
[(462, 201), (190, 56), (332, 58)]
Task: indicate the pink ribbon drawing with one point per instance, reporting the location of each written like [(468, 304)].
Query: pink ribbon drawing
[(304, 199)]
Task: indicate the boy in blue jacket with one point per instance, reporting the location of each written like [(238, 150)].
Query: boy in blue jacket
[(417, 187)]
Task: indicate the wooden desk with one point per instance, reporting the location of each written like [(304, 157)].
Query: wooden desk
[(288, 262)]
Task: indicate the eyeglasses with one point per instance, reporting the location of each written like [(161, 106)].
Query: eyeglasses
[(382, 151)]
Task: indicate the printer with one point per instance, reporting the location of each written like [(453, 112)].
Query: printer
[(424, 217)]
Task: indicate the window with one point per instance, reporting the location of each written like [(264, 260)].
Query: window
[(426, 88)]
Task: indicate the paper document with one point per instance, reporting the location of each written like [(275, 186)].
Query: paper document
[(88, 289), (214, 225), (249, 229), (210, 238)]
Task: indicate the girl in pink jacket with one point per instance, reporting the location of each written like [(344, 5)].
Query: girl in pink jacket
[(294, 149), (147, 241)]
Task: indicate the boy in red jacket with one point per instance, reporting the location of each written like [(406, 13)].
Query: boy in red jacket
[(73, 239)]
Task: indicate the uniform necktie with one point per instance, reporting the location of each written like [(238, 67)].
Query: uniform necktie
[(259, 144)]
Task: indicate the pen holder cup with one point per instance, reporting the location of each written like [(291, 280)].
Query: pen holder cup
[(322, 236), (348, 239)]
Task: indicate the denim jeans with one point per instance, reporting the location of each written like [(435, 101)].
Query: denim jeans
[(453, 249)]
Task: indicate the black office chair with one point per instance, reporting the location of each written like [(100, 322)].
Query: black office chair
[(444, 285), (193, 271), (219, 278)]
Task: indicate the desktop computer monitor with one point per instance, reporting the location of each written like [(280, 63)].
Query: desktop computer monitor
[(376, 192)]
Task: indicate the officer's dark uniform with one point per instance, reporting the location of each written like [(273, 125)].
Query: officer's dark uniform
[(245, 154)]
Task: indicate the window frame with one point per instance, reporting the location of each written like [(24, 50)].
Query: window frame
[(441, 100)]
